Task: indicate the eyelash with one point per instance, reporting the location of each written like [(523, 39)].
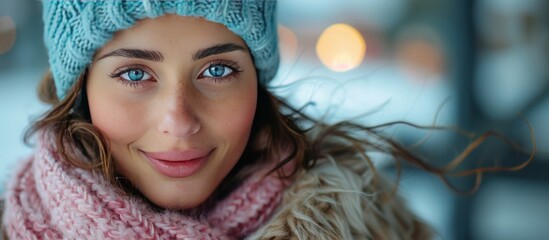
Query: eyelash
[(231, 65), (125, 69), (135, 84)]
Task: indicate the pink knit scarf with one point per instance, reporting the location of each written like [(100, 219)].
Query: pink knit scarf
[(50, 200)]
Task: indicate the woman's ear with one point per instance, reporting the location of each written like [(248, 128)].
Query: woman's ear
[(261, 139)]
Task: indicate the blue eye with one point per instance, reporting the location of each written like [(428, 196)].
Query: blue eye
[(217, 71), (135, 75)]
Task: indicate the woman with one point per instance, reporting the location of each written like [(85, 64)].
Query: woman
[(162, 127)]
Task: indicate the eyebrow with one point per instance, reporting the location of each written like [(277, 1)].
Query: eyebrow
[(158, 57), (217, 49), (135, 53)]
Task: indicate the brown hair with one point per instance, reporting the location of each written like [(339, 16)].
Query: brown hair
[(74, 135), (281, 136)]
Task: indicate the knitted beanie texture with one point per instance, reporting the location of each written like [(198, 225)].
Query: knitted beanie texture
[(75, 29), (49, 199)]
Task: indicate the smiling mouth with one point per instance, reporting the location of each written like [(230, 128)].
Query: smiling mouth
[(177, 164)]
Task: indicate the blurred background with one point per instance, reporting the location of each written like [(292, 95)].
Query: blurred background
[(476, 65)]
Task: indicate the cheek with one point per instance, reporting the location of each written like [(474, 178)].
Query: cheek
[(117, 119), (237, 118)]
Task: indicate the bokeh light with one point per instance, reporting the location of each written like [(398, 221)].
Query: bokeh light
[(288, 43), (7, 34), (419, 53), (341, 47)]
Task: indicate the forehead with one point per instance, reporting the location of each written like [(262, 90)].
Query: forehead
[(173, 33)]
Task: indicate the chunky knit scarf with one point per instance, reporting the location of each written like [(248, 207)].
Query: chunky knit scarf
[(51, 200)]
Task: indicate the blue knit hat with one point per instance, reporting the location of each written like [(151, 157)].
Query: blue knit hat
[(76, 29)]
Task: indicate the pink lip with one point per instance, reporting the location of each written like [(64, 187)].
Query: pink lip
[(177, 164)]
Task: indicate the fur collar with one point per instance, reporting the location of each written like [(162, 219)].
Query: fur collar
[(342, 199)]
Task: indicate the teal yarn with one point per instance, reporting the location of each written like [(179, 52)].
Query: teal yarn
[(75, 30)]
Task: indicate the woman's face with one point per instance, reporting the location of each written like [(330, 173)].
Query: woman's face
[(176, 98)]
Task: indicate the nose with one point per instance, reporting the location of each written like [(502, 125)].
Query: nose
[(177, 118)]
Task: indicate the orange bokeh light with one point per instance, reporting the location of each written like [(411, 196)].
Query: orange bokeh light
[(7, 34), (341, 47), (288, 43)]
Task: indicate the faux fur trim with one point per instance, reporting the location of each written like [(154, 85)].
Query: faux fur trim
[(342, 199)]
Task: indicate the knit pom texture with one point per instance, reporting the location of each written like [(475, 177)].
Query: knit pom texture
[(75, 30)]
